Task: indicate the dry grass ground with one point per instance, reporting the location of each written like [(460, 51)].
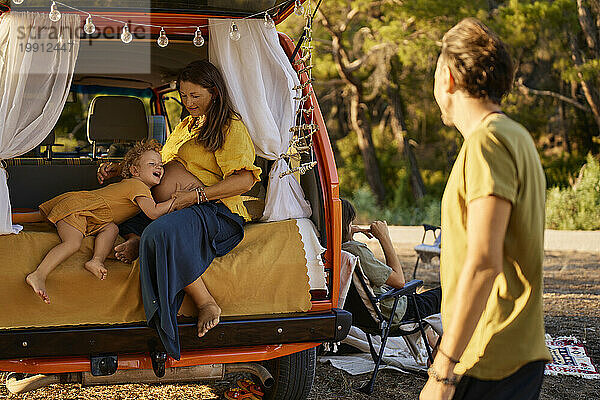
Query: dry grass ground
[(571, 306)]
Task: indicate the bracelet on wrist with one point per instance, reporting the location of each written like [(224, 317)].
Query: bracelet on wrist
[(202, 193), (452, 360), (453, 381)]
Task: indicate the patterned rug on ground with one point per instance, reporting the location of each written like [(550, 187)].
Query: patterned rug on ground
[(569, 358)]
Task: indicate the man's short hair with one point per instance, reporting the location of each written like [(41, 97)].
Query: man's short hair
[(478, 59)]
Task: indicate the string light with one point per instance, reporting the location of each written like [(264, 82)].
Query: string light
[(269, 23), (162, 40), (298, 8), (54, 13), (234, 32), (198, 39), (126, 36), (89, 26)]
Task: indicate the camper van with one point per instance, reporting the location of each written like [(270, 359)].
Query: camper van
[(278, 289)]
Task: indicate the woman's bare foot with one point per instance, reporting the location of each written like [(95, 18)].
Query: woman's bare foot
[(97, 268), (129, 250), (208, 317), (38, 284)]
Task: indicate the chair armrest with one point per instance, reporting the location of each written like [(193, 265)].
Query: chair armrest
[(408, 288), (430, 227)]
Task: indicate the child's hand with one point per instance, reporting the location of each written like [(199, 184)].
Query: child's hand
[(365, 231), (179, 191), (182, 198)]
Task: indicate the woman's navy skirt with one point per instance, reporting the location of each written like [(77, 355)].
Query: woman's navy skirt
[(175, 250)]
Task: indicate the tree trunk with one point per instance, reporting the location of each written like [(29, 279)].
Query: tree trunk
[(564, 132), (358, 120), (586, 86), (365, 144), (586, 20), (399, 130)]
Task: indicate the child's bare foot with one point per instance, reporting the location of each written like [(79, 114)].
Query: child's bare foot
[(97, 268), (38, 284), (129, 250), (208, 317)]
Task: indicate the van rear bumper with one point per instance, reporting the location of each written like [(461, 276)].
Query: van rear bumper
[(231, 332)]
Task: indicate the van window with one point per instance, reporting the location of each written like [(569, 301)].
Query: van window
[(173, 108)]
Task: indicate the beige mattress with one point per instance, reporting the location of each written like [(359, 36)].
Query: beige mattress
[(266, 273)]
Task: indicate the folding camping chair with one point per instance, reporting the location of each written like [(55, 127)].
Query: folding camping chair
[(426, 252), (367, 315)]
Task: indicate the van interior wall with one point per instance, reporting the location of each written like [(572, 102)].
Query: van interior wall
[(139, 64)]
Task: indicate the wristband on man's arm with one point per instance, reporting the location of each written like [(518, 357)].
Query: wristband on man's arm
[(443, 380), (453, 360)]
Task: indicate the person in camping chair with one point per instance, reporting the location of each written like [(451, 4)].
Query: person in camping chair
[(390, 273)]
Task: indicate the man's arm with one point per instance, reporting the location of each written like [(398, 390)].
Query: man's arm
[(487, 220)]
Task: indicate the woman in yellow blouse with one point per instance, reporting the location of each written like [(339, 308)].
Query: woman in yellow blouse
[(211, 155)]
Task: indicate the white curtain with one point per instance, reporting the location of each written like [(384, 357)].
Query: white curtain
[(260, 80), (37, 58)]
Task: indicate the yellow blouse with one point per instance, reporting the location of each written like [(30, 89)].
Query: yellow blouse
[(237, 153)]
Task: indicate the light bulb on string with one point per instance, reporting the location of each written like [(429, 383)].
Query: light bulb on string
[(198, 39), (17, 1), (126, 36), (234, 32), (269, 23), (89, 26), (54, 13), (298, 8), (162, 40)]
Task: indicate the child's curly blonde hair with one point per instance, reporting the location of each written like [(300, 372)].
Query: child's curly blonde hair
[(133, 156)]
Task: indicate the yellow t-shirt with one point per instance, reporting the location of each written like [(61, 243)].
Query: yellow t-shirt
[(237, 153), (499, 159)]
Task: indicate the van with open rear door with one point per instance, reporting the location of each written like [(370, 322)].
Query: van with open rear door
[(278, 289)]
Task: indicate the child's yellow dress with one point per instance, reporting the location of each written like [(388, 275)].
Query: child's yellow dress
[(90, 211)]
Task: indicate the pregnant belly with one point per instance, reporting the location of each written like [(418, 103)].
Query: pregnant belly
[(175, 173)]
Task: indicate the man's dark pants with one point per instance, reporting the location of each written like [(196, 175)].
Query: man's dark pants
[(525, 384)]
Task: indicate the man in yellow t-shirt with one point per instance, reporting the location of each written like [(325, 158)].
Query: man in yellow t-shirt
[(493, 221)]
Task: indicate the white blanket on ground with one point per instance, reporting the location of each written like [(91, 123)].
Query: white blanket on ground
[(401, 353)]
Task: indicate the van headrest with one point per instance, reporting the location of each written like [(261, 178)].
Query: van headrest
[(117, 118)]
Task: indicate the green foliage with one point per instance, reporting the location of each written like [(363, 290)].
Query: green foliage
[(562, 170), (538, 32), (577, 206), (425, 211)]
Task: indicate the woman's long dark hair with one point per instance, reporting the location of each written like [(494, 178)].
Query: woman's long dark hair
[(220, 111), (348, 216)]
